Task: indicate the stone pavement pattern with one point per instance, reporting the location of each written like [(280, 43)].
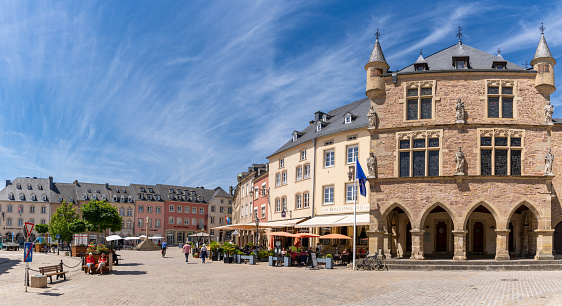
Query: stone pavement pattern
[(145, 278)]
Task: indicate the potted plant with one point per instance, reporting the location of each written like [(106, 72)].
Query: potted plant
[(263, 255), (214, 246), (228, 249), (287, 260), (196, 255)]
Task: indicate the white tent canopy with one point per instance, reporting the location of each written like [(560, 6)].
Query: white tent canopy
[(113, 237), (156, 237), (132, 238)]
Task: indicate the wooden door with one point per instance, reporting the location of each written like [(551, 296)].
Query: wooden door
[(408, 237), (441, 237), (478, 237)]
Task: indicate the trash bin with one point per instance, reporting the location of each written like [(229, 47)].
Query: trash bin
[(38, 281)]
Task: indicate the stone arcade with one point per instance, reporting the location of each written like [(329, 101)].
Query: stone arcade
[(493, 198)]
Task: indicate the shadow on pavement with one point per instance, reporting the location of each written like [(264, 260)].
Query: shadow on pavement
[(7, 264), (130, 264), (128, 272), (50, 293)]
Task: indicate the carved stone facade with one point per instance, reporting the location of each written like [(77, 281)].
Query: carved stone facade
[(494, 198)]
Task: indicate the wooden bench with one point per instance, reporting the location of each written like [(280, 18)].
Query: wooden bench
[(104, 269), (53, 270)]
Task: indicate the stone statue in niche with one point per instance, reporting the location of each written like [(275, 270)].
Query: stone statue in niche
[(351, 173), (372, 165), (372, 114), (548, 161), (460, 159), (548, 110), (460, 111)]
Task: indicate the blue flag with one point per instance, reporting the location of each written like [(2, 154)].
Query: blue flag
[(361, 178)]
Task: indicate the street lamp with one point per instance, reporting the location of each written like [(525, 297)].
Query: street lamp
[(257, 231)]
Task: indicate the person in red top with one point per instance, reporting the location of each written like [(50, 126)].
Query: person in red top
[(102, 262), (90, 261)]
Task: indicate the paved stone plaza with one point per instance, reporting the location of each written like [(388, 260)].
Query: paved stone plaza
[(145, 278)]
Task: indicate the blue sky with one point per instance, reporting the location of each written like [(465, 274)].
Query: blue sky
[(192, 92)]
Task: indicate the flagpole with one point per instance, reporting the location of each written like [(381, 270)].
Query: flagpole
[(355, 212)]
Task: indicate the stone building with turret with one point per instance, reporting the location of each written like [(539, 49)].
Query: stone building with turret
[(466, 156)]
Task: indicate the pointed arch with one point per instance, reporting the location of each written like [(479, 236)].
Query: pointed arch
[(394, 205), (532, 207), (421, 221), (473, 207)]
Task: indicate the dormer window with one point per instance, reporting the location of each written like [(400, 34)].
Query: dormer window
[(123, 199), (70, 200), (348, 118), (142, 189), (44, 197), (499, 65), (150, 190), (179, 191), (88, 190), (18, 186), (171, 196), (114, 198), (318, 127), (103, 197), (33, 197), (60, 198), (150, 197), (421, 67), (85, 196), (130, 199), (460, 62), (124, 191), (325, 118), (295, 136), (97, 191), (10, 196), (171, 190), (22, 197), (140, 196), (39, 187), (94, 197), (28, 186), (117, 190)]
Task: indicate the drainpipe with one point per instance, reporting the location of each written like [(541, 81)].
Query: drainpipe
[(313, 183)]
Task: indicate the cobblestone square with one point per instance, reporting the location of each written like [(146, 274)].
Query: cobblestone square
[(145, 278)]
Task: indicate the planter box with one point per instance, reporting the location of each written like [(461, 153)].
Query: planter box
[(215, 257), (228, 259), (38, 281), (77, 249), (286, 261), (328, 261), (39, 248), (263, 259), (250, 258)]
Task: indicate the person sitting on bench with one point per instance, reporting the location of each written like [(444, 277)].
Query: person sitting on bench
[(90, 261), (101, 263)]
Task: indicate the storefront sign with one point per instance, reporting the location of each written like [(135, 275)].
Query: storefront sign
[(346, 208)]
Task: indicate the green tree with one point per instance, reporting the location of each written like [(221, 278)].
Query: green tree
[(42, 228), (61, 220), (77, 226), (100, 215)]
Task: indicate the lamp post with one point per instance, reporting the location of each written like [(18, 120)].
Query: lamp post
[(257, 231)]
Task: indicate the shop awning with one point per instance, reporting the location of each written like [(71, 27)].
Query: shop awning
[(282, 223), (362, 219), (321, 221)]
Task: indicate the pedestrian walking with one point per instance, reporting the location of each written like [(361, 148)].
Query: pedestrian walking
[(203, 252), (186, 250)]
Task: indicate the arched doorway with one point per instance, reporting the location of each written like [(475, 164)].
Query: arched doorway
[(481, 236), (398, 233), (438, 236), (557, 239), (523, 223)]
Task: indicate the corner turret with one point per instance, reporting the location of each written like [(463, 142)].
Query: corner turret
[(375, 68), (543, 63)]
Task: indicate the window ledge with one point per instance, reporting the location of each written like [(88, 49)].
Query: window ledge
[(546, 178)]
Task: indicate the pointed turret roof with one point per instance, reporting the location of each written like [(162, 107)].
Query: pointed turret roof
[(420, 60), (542, 50), (377, 55)]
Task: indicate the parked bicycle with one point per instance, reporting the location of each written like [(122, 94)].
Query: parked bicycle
[(373, 262)]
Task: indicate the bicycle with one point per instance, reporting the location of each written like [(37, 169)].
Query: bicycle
[(163, 252), (373, 263)]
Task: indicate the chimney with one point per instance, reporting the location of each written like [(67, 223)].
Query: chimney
[(50, 182), (8, 183), (202, 187), (230, 189), (107, 186), (75, 182), (318, 115)]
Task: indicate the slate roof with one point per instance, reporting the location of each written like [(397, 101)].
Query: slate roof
[(334, 125), (219, 192), (136, 189), (28, 192), (91, 190), (542, 49), (118, 191), (376, 54), (185, 194), (64, 191), (478, 60)]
